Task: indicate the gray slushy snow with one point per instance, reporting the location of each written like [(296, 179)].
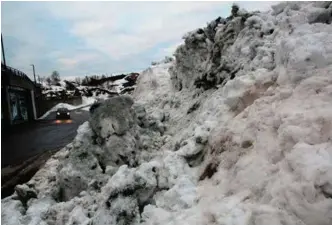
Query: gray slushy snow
[(236, 130)]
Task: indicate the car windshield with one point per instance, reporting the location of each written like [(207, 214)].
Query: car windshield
[(62, 110)]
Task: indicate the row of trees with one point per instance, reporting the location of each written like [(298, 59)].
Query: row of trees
[(53, 79), (87, 79)]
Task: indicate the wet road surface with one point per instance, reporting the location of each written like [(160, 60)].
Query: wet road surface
[(38, 137)]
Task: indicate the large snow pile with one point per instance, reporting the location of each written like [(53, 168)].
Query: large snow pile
[(236, 131)]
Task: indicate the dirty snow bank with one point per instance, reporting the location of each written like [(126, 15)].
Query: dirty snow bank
[(214, 141)]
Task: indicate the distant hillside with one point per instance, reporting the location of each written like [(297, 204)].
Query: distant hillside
[(91, 86)]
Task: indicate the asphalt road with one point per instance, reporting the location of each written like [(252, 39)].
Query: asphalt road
[(41, 136)]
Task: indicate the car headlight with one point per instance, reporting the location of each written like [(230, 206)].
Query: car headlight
[(58, 113), (68, 113)]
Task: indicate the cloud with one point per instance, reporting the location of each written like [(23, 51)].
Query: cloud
[(68, 62), (76, 60), (261, 5), (171, 49), (124, 31), (79, 38)]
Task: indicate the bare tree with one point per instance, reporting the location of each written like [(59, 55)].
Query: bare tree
[(78, 80), (42, 79), (55, 77), (48, 80)]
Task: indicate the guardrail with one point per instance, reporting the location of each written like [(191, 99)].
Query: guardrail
[(16, 72)]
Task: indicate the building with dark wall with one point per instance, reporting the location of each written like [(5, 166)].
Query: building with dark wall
[(17, 97)]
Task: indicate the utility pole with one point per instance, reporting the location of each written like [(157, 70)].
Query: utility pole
[(3, 52), (34, 74)]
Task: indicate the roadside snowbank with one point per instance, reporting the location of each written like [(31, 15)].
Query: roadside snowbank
[(86, 101), (207, 139), (55, 108)]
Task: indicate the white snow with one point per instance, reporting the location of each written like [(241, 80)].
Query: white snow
[(255, 149), (54, 88), (71, 78), (88, 100), (120, 81)]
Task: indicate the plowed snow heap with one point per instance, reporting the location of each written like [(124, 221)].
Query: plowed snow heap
[(236, 131)]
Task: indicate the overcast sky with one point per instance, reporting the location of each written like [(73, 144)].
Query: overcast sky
[(86, 38)]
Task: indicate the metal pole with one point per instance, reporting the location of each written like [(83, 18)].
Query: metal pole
[(34, 74), (3, 52)]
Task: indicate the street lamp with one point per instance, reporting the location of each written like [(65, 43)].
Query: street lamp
[(34, 74)]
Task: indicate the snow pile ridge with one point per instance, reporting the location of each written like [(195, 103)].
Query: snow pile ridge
[(86, 103), (236, 130)]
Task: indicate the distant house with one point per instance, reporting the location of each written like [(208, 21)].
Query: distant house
[(18, 95)]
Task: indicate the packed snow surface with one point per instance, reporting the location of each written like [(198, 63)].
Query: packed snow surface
[(236, 131)]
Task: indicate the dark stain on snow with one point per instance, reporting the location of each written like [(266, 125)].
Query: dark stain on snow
[(193, 107), (209, 170)]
